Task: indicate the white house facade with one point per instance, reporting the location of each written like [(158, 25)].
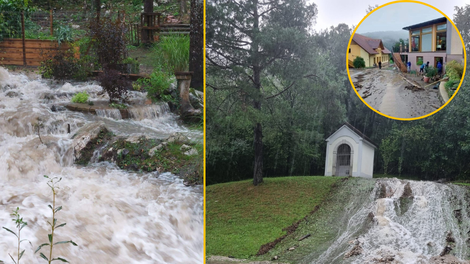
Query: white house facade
[(349, 153)]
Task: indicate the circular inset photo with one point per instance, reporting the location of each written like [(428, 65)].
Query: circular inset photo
[(406, 60)]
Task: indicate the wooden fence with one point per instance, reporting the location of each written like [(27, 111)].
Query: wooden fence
[(29, 52), (34, 52)]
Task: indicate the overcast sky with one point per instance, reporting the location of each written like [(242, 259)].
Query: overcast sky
[(351, 12)]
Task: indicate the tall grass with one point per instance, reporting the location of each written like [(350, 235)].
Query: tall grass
[(172, 53)]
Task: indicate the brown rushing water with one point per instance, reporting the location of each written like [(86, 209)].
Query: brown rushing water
[(114, 216)]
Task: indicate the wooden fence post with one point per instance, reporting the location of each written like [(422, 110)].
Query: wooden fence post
[(22, 30), (51, 19)]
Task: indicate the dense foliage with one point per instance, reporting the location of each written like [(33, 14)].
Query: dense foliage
[(109, 41), (196, 50), (10, 17), (256, 52), (296, 122), (359, 62), (172, 53), (157, 86), (66, 65), (115, 84)]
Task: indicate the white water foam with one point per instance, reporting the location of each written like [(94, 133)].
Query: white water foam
[(407, 229), (114, 216)]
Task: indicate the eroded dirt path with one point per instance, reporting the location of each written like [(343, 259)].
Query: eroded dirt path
[(385, 91)]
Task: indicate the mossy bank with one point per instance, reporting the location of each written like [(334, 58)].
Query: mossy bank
[(176, 154)]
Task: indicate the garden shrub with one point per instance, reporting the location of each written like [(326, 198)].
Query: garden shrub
[(359, 62), (109, 41), (65, 66), (454, 70), (451, 83), (80, 98), (157, 86), (172, 53), (10, 18), (431, 72), (115, 85), (63, 34)]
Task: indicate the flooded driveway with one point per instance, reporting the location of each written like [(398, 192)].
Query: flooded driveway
[(385, 91)]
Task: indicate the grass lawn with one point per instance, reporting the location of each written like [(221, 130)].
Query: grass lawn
[(241, 217), (462, 183)]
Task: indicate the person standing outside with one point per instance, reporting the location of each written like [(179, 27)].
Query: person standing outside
[(421, 68), (380, 65), (409, 66), (439, 68)]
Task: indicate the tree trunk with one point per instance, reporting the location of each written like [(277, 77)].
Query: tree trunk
[(196, 44), (148, 8), (258, 140), (98, 9), (258, 144), (183, 7)]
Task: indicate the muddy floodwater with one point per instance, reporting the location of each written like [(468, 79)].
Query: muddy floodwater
[(114, 216), (385, 91)]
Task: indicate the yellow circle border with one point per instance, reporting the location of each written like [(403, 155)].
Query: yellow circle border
[(414, 118)]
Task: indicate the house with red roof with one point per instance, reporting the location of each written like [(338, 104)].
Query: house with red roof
[(371, 50)]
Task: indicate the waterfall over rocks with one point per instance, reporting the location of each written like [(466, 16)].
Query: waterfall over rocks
[(405, 222)]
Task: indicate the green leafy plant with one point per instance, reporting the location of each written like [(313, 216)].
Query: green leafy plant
[(157, 86), (420, 61), (454, 70), (451, 83), (65, 65), (109, 41), (359, 62), (431, 72), (118, 106), (52, 184), (10, 18), (114, 84), (63, 34), (45, 69), (20, 224), (81, 97), (172, 53)]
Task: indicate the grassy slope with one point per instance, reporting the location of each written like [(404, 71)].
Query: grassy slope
[(241, 217)]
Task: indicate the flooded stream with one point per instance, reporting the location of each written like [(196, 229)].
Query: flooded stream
[(404, 222), (113, 215)]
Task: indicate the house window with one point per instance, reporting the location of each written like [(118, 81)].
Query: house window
[(419, 60), (441, 39), (427, 30), (349, 50), (426, 44), (441, 27), (415, 43)]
